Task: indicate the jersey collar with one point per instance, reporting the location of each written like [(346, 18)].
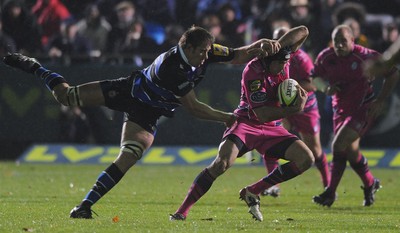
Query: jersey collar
[(184, 56)]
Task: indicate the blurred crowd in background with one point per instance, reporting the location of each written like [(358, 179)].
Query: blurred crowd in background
[(134, 32), (112, 30)]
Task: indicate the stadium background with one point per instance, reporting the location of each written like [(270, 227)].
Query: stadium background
[(29, 115)]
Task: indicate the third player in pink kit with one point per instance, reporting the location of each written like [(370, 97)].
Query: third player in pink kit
[(354, 105), (306, 123)]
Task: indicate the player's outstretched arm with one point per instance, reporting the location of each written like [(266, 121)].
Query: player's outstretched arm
[(204, 111), (260, 48), (388, 86), (294, 38)]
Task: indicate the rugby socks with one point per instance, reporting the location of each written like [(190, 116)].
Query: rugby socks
[(362, 170), (270, 163), (200, 186), (338, 166), (280, 174), (105, 182), (51, 79), (322, 165)]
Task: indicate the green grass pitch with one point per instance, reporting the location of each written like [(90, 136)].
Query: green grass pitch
[(38, 198)]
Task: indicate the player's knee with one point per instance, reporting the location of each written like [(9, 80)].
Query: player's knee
[(133, 148), (68, 96), (338, 147), (306, 161), (317, 151), (219, 166)]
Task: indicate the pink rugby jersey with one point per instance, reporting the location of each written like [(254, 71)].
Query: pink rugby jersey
[(300, 68), (259, 88), (347, 72)]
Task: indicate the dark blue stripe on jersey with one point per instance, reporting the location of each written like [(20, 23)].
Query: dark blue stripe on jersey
[(139, 92), (150, 93)]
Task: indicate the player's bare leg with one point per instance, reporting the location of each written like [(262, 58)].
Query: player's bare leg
[(226, 157), (134, 141), (345, 148), (313, 142), (300, 159)]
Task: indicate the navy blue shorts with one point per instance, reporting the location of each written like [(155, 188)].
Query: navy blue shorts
[(117, 95)]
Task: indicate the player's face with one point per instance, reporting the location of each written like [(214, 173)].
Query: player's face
[(343, 43), (197, 56), (277, 66)]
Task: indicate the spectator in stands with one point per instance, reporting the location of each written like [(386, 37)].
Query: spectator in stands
[(7, 44), (301, 12), (172, 34), (50, 14), (20, 25), (359, 37), (327, 24), (136, 42), (232, 28), (184, 12), (390, 33), (126, 14), (95, 28), (157, 11), (68, 42), (211, 6), (212, 23)]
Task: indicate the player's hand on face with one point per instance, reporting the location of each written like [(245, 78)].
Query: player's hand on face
[(265, 48)]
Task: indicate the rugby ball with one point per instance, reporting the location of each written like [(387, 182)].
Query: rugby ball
[(287, 92)]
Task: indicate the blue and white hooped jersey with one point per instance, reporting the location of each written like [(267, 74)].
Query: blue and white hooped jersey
[(169, 77)]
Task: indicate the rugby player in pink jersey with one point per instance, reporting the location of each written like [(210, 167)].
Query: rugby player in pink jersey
[(338, 71), (306, 123), (259, 127)]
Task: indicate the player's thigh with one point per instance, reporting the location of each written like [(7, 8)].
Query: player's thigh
[(344, 138), (353, 150), (91, 94), (313, 142), (133, 132), (134, 141), (299, 153), (227, 154)]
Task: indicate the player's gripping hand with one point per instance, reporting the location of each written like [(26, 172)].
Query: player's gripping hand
[(231, 121), (265, 48), (24, 63), (300, 102)]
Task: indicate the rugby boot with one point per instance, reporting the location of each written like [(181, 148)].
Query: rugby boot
[(369, 192), (22, 62)]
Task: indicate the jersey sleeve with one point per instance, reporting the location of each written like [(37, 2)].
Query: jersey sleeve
[(173, 77), (219, 53), (318, 70), (301, 68)]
